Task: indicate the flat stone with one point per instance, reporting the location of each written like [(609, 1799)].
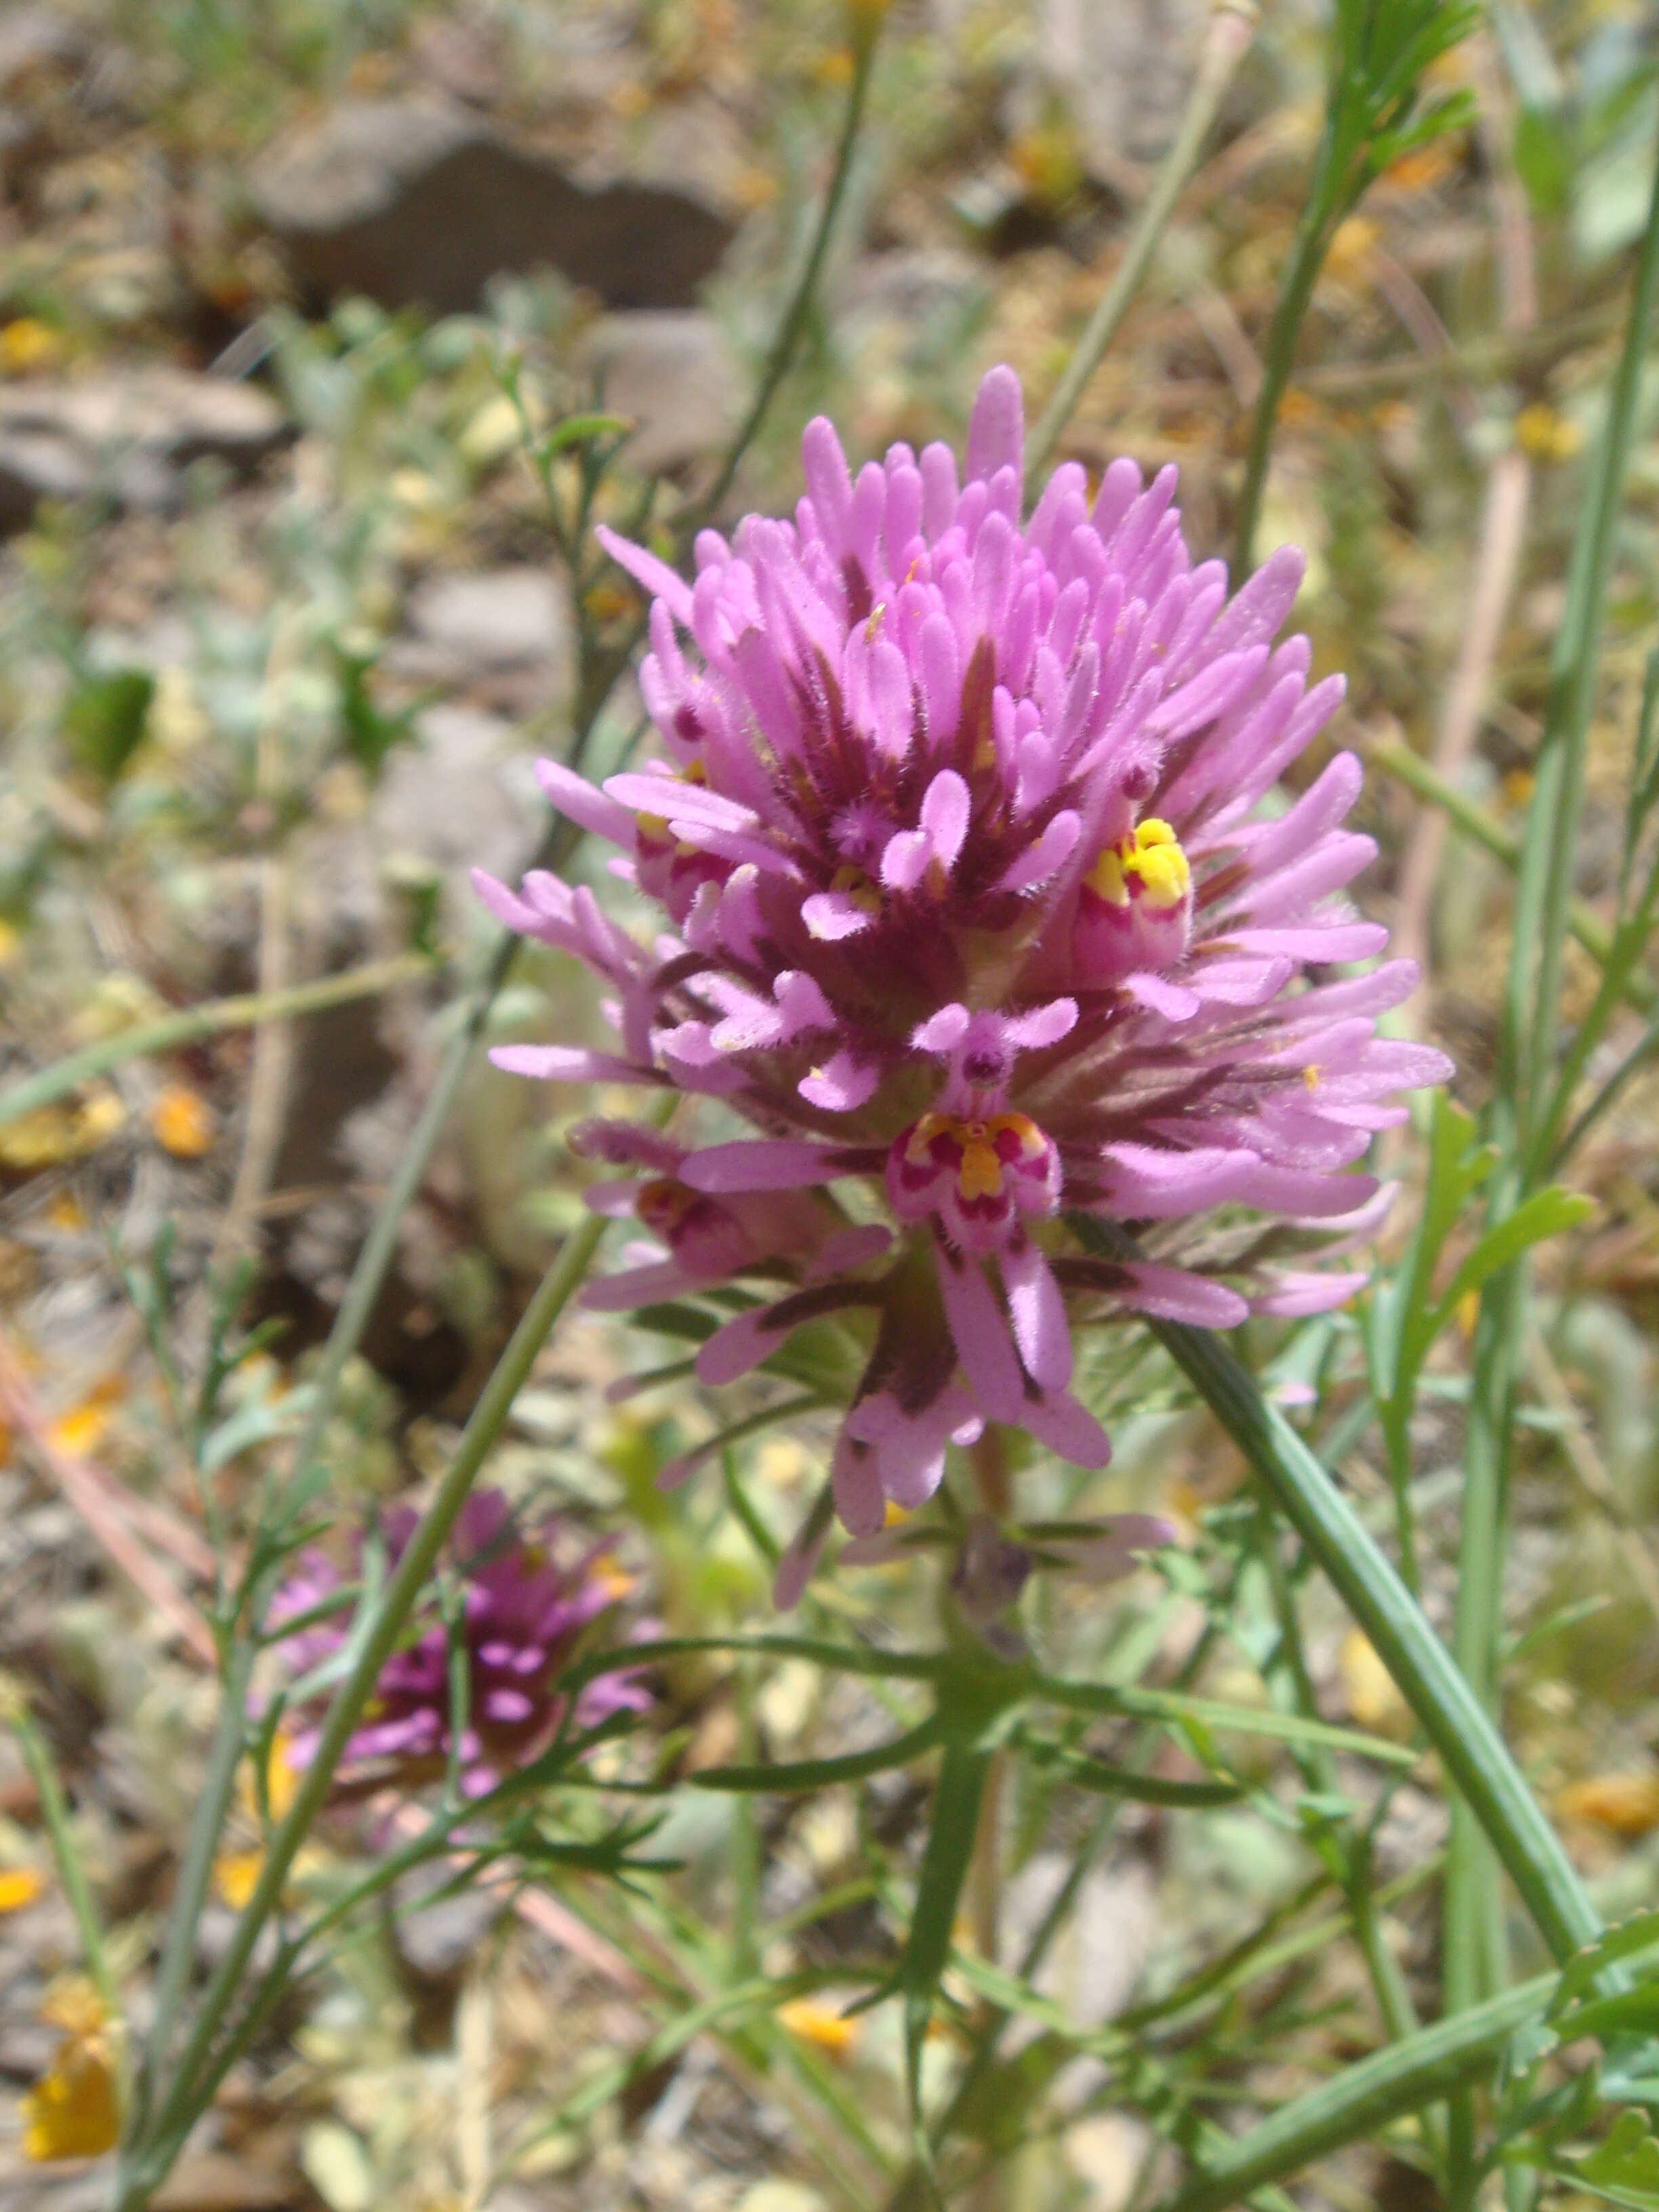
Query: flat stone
[(37, 38), (673, 373), (34, 466), (127, 435), (1123, 71), (498, 618), (416, 202)]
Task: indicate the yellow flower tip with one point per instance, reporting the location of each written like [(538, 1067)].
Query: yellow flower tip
[(11, 944), (893, 1515), (20, 1886), (818, 2024), (1311, 1076), (182, 1122)]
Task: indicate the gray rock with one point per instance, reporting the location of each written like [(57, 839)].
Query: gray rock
[(416, 202), (1123, 71), (128, 436), (34, 466), (500, 618), (673, 373), (37, 38)]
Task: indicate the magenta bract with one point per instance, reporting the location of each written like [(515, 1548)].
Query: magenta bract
[(975, 915), (522, 1611)]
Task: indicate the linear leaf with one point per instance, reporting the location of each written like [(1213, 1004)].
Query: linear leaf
[(785, 1777)]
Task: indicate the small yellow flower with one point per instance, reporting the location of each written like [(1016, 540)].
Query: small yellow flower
[(51, 1136), (181, 1122), (72, 2110), (1546, 436), (27, 343), (83, 1428), (19, 1886), (1373, 1700), (818, 2024), (1628, 1804)]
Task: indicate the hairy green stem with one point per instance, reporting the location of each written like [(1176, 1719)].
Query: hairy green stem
[(1232, 25)]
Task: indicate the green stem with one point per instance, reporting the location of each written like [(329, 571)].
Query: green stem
[(1471, 820), (55, 1816), (189, 1026), (1231, 26), (1278, 355), (1475, 1941), (195, 1875), (1552, 826), (1363, 2098), (790, 329), (1459, 1727), (420, 1556)]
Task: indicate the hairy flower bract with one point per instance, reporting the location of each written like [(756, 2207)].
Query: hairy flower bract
[(977, 909)]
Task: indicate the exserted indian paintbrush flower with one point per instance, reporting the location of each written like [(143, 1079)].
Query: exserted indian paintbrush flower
[(978, 913), (526, 1596)]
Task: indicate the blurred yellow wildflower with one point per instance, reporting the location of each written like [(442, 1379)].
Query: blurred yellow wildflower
[(1545, 435), (51, 1136), (1627, 1804), (818, 2024), (19, 1886), (73, 2110), (181, 1122), (27, 343)]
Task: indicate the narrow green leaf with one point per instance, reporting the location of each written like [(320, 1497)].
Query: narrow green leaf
[(1624, 2169), (1639, 1933), (1102, 1780), (104, 718), (787, 1777), (1363, 2098), (1453, 1717), (1207, 1713), (843, 1658), (576, 428), (944, 1863), (1545, 1214)]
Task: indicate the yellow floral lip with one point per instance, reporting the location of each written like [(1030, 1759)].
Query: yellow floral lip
[(1148, 861), (982, 1149)]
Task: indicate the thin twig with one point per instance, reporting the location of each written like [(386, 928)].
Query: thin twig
[(1498, 551), (1579, 1448), (1232, 27), (171, 1032), (100, 1508)]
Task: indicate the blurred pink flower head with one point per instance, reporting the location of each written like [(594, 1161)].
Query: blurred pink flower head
[(521, 1614), (976, 913)]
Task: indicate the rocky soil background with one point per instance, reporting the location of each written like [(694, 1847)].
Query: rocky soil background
[(280, 632)]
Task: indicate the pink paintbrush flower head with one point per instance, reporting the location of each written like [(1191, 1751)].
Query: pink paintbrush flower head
[(525, 1602), (976, 915)]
